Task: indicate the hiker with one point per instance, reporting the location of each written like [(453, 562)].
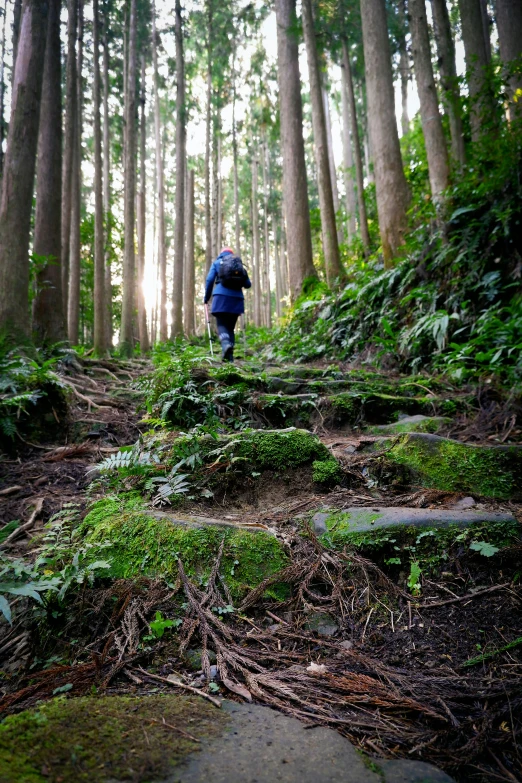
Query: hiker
[(228, 302)]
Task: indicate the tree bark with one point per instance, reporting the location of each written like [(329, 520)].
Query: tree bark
[(18, 180), (404, 67), (256, 258), (142, 205), (266, 286), (179, 228), (391, 186), (476, 55), (332, 259), (208, 212), (100, 310), (436, 150), (295, 187), (448, 76), (107, 184), (71, 110), (331, 161), (349, 188), (73, 310), (189, 280), (48, 315), (359, 176), (17, 16), (237, 223), (278, 272), (509, 24), (2, 92), (127, 305), (215, 186), (160, 190)]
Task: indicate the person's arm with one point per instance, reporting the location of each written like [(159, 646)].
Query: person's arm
[(209, 285), (248, 284)]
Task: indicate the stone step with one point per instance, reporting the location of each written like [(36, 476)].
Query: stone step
[(361, 519), (418, 423), (238, 743), (425, 460)]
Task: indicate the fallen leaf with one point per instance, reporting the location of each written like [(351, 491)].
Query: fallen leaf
[(317, 668), (237, 688)]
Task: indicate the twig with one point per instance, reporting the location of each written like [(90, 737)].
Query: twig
[(178, 684), (9, 491), (467, 597), (163, 722), (37, 509), (503, 768), (276, 618)]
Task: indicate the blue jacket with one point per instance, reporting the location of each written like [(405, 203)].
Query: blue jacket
[(224, 300)]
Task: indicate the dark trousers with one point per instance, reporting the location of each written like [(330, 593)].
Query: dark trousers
[(226, 323)]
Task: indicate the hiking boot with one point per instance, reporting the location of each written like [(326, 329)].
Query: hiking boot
[(228, 354)]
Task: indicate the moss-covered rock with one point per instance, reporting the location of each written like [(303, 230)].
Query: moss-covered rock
[(373, 534), (141, 542), (418, 423), (431, 461), (98, 739)]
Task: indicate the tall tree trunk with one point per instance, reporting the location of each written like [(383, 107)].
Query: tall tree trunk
[(71, 119), (486, 28), (256, 257), (2, 91), (18, 180), (391, 186), (73, 310), (266, 286), (331, 161), (127, 304), (160, 190), (107, 183), (100, 310), (48, 316), (448, 77), (208, 211), (404, 67), (278, 272), (181, 145), (438, 162), (332, 259), (215, 187), (359, 177), (476, 55), (142, 206), (237, 223), (189, 280), (509, 23), (17, 16), (295, 187), (349, 189)]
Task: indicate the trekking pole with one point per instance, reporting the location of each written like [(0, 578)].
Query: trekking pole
[(209, 334)]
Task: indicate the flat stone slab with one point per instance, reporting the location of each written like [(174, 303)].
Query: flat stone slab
[(418, 423), (359, 519), (261, 745), (198, 521)]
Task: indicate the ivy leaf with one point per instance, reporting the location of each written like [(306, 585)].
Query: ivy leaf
[(483, 548)]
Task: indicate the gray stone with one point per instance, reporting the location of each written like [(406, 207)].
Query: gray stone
[(319, 522), (193, 658), (265, 746), (199, 521), (406, 771), (465, 503), (321, 623), (360, 519), (418, 423)]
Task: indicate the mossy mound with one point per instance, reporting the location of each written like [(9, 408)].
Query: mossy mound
[(106, 738), (141, 543), (440, 463)]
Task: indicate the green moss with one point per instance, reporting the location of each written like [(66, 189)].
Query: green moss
[(142, 544), (427, 424), (440, 463), (281, 450), (100, 739), (326, 472)]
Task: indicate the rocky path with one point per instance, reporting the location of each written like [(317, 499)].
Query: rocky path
[(350, 562)]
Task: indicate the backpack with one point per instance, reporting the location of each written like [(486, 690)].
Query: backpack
[(232, 274)]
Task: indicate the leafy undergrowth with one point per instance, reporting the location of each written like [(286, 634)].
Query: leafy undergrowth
[(451, 304)]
